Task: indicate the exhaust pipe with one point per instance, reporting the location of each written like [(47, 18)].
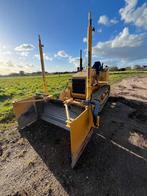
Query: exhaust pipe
[(81, 67)]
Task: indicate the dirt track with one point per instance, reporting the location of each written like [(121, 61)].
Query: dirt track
[(113, 163)]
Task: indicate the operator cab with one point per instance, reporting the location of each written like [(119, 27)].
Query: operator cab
[(99, 75)]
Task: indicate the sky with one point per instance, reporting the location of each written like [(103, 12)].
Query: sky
[(120, 36)]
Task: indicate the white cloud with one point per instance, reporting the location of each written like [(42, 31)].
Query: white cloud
[(7, 67), (62, 54), (24, 54), (125, 39), (85, 39), (7, 52), (46, 57), (124, 46), (74, 60), (24, 48), (113, 21), (104, 20), (3, 47), (71, 60), (133, 14), (37, 56)]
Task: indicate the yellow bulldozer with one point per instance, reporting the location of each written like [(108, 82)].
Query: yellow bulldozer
[(78, 107)]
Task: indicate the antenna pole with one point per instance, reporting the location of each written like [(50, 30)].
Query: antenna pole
[(42, 66), (89, 50)]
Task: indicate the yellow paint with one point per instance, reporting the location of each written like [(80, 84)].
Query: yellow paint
[(89, 49), (78, 95), (79, 129), (22, 106), (104, 75), (42, 66)]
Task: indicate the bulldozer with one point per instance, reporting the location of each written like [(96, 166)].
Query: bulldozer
[(78, 107)]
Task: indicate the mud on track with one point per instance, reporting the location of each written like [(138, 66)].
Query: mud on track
[(37, 160)]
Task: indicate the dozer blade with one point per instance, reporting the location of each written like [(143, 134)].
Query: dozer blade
[(53, 111), (80, 124), (81, 130), (25, 112)]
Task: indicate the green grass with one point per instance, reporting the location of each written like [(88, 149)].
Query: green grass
[(12, 88), (117, 76)]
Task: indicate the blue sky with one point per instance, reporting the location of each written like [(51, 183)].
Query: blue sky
[(120, 37)]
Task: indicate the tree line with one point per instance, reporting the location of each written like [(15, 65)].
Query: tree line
[(111, 68), (135, 67)]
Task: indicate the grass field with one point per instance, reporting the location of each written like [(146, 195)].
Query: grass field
[(12, 88)]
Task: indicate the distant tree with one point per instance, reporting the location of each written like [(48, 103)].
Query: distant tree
[(13, 74), (137, 67), (21, 73), (113, 68), (122, 69), (128, 68)]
